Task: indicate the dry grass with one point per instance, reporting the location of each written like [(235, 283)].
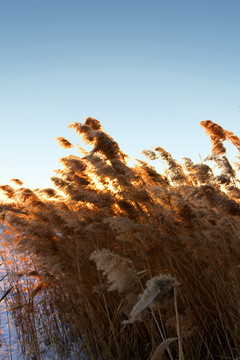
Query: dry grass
[(125, 259)]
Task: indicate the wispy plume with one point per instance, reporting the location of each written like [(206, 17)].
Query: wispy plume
[(17, 181), (217, 135), (64, 143), (175, 170), (160, 287), (120, 271)]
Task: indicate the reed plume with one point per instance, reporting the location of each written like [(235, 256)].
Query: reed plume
[(160, 286), (64, 143), (120, 272), (17, 182)]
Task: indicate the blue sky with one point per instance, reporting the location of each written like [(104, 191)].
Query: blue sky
[(150, 71)]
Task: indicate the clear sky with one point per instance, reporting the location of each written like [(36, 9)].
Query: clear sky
[(150, 71)]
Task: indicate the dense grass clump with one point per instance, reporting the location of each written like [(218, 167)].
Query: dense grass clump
[(127, 263)]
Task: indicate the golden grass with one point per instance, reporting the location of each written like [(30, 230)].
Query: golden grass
[(125, 259)]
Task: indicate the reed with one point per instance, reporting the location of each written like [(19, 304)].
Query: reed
[(128, 263)]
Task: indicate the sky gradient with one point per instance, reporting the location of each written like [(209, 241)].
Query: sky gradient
[(150, 71)]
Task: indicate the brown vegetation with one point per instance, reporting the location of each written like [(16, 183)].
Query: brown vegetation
[(130, 262)]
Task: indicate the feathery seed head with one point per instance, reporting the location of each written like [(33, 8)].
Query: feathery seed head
[(160, 287), (64, 143), (120, 272)]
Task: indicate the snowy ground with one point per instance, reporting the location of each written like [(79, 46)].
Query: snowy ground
[(10, 348), (9, 343)]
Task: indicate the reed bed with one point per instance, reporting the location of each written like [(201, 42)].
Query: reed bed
[(124, 262)]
